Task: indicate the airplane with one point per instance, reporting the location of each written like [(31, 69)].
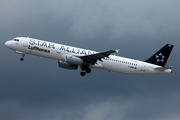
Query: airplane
[(69, 57)]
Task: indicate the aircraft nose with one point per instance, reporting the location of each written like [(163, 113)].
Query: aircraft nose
[(7, 44)]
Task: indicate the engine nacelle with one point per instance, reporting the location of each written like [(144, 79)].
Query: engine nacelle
[(74, 60), (67, 65)]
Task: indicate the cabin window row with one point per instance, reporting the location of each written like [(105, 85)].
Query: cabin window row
[(123, 62)]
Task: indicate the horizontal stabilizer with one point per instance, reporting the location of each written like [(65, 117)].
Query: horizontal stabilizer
[(163, 68)]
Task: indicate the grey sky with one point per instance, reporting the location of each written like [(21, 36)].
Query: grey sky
[(37, 89)]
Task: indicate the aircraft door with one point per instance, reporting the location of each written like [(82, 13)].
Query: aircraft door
[(143, 67), (58, 51), (25, 43)]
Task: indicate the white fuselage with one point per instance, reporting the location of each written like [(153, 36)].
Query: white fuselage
[(58, 52)]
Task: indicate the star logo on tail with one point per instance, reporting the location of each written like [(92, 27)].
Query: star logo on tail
[(160, 57)]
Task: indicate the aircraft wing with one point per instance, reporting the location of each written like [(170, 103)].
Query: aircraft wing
[(92, 59)]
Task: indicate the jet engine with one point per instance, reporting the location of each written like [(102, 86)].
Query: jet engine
[(74, 60), (67, 65)]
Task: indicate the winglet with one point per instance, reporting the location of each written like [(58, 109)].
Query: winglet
[(117, 50)]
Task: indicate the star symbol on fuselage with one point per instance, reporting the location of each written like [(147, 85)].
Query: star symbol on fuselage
[(160, 57)]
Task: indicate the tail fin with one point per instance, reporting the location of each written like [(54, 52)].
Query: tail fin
[(160, 57)]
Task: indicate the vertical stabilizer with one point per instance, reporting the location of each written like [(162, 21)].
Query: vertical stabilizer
[(160, 57)]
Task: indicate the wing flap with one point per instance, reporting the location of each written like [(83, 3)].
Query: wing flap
[(92, 59)]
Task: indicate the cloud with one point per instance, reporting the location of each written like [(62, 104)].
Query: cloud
[(37, 89), (87, 20)]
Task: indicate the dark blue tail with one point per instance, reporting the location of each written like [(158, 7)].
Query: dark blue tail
[(160, 57)]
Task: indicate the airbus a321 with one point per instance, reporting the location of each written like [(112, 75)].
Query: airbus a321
[(69, 57)]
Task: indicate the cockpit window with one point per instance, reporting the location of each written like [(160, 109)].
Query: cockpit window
[(16, 40)]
